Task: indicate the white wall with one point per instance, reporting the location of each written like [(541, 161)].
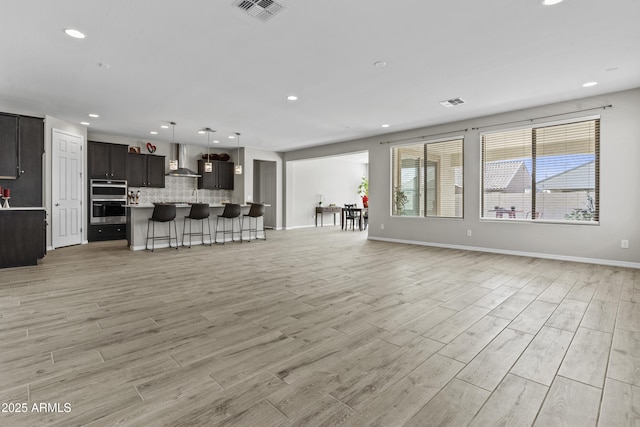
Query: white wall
[(336, 179), (619, 152)]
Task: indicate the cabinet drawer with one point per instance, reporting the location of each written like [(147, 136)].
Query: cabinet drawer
[(107, 232)]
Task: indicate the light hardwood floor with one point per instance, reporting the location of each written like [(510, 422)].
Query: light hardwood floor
[(318, 327)]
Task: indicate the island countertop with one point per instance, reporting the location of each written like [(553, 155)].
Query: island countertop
[(180, 205)]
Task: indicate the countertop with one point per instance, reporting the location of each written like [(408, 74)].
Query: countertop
[(178, 205), (181, 205), (22, 209)]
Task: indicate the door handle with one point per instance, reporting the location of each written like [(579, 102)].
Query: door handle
[(57, 204)]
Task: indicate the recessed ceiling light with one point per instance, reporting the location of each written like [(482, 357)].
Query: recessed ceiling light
[(153, 132), (93, 115), (379, 64), (215, 141), (292, 98), (74, 33), (232, 137), (550, 2), (589, 84), (385, 125), (85, 123), (201, 131), (164, 126)]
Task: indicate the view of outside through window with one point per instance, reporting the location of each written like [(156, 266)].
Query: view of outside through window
[(548, 173), (427, 179)]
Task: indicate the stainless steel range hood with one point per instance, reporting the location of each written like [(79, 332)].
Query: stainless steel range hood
[(182, 171)]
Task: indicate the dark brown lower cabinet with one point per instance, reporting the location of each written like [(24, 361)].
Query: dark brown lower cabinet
[(23, 237), (107, 232)]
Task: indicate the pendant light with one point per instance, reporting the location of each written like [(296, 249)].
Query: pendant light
[(173, 164), (238, 168), (208, 166)]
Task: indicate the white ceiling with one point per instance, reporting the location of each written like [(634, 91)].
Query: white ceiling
[(206, 63)]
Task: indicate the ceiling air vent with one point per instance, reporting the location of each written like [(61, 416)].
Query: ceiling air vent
[(263, 10), (453, 102)]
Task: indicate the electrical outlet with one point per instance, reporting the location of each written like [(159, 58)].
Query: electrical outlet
[(381, 226), (469, 233), (624, 244)]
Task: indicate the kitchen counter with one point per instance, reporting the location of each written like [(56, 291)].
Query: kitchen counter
[(137, 220), (22, 209), (178, 205)]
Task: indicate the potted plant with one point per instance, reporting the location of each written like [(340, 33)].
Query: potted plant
[(399, 200), (363, 191)]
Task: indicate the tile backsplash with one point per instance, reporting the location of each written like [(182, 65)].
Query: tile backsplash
[(181, 189)]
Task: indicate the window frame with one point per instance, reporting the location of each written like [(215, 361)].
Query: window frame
[(597, 159), (423, 169)]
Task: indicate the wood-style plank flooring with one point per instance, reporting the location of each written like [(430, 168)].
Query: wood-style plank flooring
[(317, 327)]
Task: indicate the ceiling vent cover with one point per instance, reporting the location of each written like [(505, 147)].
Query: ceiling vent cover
[(263, 10), (453, 102)]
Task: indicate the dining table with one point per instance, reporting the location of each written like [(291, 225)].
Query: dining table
[(361, 213)]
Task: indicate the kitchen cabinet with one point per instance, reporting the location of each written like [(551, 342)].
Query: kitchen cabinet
[(9, 142), (21, 151), (145, 170), (107, 160), (221, 177), (23, 232)]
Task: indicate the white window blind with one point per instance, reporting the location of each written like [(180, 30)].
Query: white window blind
[(547, 172)]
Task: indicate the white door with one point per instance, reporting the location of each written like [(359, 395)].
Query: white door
[(66, 191)]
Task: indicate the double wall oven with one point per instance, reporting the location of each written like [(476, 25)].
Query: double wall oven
[(108, 198)]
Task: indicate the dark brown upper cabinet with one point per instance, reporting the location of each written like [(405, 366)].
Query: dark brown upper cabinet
[(107, 161), (145, 170)]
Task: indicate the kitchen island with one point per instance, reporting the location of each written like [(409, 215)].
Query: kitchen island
[(139, 214)]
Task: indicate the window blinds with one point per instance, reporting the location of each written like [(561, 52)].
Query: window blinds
[(547, 172)]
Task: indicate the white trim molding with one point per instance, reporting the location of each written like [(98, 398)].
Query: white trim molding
[(556, 257)]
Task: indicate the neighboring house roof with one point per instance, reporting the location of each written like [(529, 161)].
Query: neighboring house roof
[(499, 176), (582, 177)]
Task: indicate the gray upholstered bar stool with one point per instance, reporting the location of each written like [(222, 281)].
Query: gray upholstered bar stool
[(256, 211), (162, 212), (198, 212), (231, 212)]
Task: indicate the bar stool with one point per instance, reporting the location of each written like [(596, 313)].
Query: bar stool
[(198, 212), (162, 212), (231, 211), (256, 211)]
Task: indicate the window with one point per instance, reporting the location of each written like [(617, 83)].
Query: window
[(427, 179), (547, 172)]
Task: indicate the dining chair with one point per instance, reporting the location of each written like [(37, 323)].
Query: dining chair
[(350, 214)]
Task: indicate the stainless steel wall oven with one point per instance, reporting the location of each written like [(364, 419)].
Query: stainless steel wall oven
[(108, 198)]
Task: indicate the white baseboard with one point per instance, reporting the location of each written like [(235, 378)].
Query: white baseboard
[(556, 257)]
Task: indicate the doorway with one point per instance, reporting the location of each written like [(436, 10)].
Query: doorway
[(264, 189), (66, 188)]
